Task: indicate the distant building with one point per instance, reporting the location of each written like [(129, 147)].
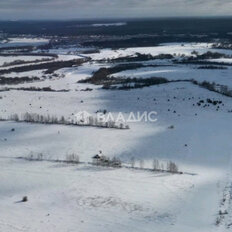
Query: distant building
[(96, 159), (102, 160)]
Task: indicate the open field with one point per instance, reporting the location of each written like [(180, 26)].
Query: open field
[(193, 130)]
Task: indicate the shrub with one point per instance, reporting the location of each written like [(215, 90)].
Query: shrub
[(115, 162), (171, 127), (25, 199)]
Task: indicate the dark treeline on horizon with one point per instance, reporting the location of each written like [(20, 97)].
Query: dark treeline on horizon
[(133, 26)]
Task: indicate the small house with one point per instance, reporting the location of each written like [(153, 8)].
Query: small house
[(96, 159)]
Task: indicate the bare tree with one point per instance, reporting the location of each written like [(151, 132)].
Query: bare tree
[(156, 165), (39, 156), (72, 158), (172, 167), (141, 163), (162, 167), (132, 161)]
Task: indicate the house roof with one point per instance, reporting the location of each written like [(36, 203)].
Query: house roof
[(96, 157)]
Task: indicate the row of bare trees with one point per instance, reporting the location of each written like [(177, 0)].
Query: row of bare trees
[(70, 158), (159, 166), (212, 86), (52, 119), (168, 166)]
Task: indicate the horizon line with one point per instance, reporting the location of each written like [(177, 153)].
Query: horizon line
[(119, 18)]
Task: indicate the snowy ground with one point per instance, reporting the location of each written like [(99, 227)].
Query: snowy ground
[(176, 49), (180, 72), (86, 198), (17, 42), (9, 59)]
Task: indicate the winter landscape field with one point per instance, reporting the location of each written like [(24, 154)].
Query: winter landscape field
[(63, 169)]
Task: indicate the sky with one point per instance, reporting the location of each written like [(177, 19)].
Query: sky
[(71, 9)]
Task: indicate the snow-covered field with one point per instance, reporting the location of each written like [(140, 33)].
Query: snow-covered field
[(18, 42), (179, 72), (83, 197), (10, 59), (177, 49), (173, 71)]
